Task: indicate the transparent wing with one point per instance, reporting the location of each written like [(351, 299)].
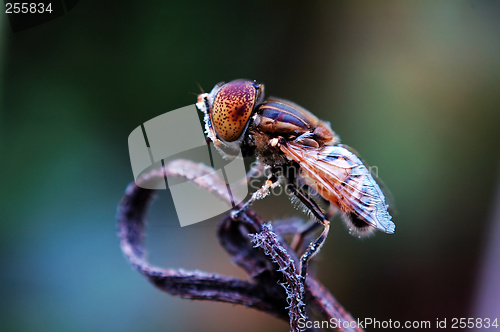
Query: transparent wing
[(389, 197), (340, 176)]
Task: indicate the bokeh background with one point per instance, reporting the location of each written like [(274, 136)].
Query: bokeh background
[(413, 86)]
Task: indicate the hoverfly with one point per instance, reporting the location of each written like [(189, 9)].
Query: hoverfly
[(300, 150)]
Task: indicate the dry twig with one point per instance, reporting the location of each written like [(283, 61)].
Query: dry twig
[(275, 286)]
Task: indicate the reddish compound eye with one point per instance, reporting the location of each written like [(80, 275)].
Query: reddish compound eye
[(233, 107)]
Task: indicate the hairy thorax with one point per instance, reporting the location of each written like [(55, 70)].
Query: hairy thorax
[(268, 154)]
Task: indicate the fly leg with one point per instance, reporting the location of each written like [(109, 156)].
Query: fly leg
[(308, 228), (303, 232), (315, 246), (271, 183)]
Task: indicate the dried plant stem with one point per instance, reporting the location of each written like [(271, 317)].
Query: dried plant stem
[(269, 269)]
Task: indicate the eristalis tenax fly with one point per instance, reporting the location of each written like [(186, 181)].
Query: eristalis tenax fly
[(301, 151)]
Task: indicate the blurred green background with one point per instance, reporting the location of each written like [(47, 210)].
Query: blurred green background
[(413, 86)]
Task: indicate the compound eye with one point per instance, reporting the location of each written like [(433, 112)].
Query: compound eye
[(232, 109)]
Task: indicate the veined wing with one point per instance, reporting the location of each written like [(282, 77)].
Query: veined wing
[(389, 198), (340, 177)]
